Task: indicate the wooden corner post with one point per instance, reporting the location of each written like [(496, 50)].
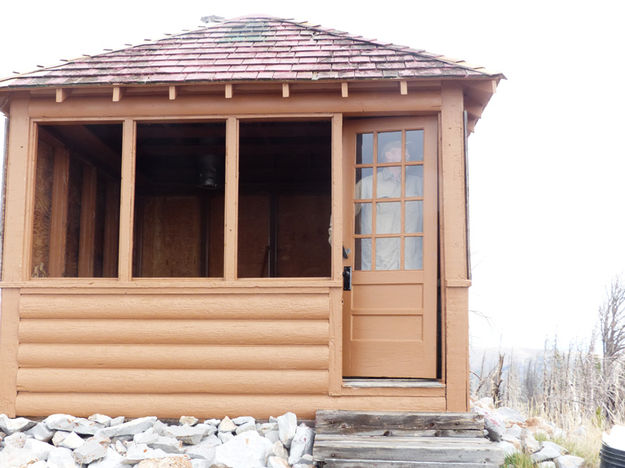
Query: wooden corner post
[(127, 196), (13, 267), (454, 249), (231, 199)]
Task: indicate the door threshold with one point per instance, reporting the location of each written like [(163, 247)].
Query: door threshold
[(391, 383)]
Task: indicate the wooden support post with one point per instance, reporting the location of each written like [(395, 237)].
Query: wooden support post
[(344, 89), (454, 248), (58, 218), (16, 189), (111, 230), (9, 324), (62, 94), (118, 93), (337, 196), (127, 200), (231, 199), (172, 93), (86, 241), (403, 87), (285, 90), (228, 91)]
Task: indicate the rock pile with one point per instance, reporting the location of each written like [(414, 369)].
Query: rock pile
[(515, 434), (64, 441)]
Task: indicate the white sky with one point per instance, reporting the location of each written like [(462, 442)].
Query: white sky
[(547, 158)]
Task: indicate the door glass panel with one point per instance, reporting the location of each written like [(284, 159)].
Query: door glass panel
[(414, 217), (414, 145), (414, 181), (362, 255), (389, 182), (413, 253), (387, 253), (363, 218), (388, 218), (389, 147), (364, 148), (364, 183)]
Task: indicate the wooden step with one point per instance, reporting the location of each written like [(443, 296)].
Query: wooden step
[(399, 424), (331, 463), (339, 448)]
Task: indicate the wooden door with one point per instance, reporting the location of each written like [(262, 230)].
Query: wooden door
[(390, 180)]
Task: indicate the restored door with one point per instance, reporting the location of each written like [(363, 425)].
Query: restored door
[(390, 238)]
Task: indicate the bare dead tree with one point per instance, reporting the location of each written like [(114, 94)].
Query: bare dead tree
[(497, 380)]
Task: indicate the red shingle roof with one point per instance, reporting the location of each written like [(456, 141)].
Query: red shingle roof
[(257, 48)]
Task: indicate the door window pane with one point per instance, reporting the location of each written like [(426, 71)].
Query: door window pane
[(388, 218), (389, 147), (414, 145), (364, 183), (363, 218), (413, 253), (414, 217), (364, 148), (389, 182), (387, 253), (414, 181), (363, 254)]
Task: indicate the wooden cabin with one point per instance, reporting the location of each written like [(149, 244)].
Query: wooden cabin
[(257, 216)]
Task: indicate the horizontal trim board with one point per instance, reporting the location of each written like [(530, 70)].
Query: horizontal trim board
[(197, 105), (146, 356), (248, 332), (157, 306), (172, 381), (207, 406), (173, 286)]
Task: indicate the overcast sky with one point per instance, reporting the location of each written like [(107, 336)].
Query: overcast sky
[(547, 160)]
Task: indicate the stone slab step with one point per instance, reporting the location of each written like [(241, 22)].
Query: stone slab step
[(407, 449), (332, 463), (399, 423)]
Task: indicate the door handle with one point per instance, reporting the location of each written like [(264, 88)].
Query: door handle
[(347, 278), (346, 253)]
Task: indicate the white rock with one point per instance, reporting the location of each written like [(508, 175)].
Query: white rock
[(139, 452), (243, 419), (12, 457), (9, 426), (212, 422), (60, 457), (132, 427), (561, 450), (225, 436), (507, 447), (117, 421), (59, 436), (40, 432), (287, 424), (307, 459), (495, 427), (615, 438), (38, 464), (16, 440), (167, 444), (580, 431), (510, 415), (189, 420), (513, 431), (188, 434), (203, 451), (111, 460), (169, 462), (266, 427), (226, 425), (569, 461), (247, 450), (39, 449), (273, 436), (302, 443), (246, 426), (530, 444), (301, 465), (120, 447), (68, 423), (102, 419), (548, 452), (93, 449), (200, 463), (72, 441), (278, 450), (277, 462), (546, 464), (146, 437)]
